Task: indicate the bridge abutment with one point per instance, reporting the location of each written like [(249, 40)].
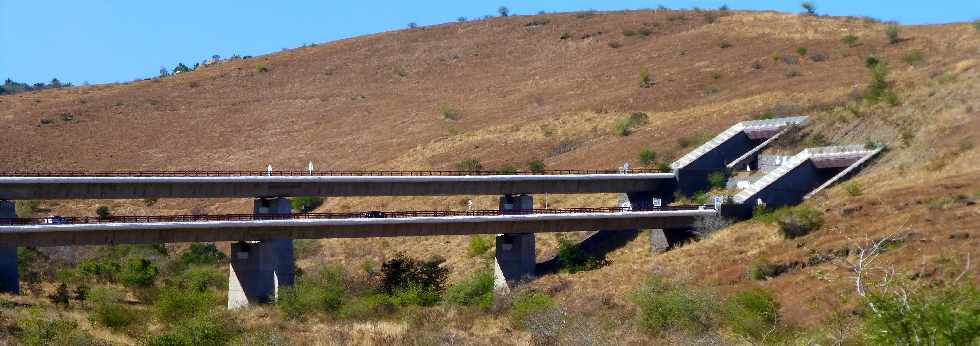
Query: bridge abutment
[(514, 258), (258, 268), (9, 275)]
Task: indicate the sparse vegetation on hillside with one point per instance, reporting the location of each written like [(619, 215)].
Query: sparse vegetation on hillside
[(535, 166), (646, 156), (469, 165), (626, 126), (849, 40), (306, 204), (798, 221), (449, 113), (645, 79), (892, 32)]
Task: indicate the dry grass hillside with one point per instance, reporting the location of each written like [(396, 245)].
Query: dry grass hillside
[(552, 87)]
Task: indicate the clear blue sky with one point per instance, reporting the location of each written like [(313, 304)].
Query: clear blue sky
[(101, 41)]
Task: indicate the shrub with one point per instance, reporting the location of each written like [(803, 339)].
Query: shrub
[(692, 140), (535, 166), (625, 126), (792, 72), (849, 40), (762, 269), (114, 315), (564, 35), (201, 277), (933, 316), (574, 259), (449, 113), (26, 209), (724, 44), (646, 156), (138, 272), (716, 75), (663, 166), (201, 254), (180, 68), (665, 309), (892, 32), (103, 211), (914, 57), (415, 294), (503, 11), (854, 189), (615, 45), (528, 304), (476, 290), (149, 202), (402, 272), (478, 246), (976, 25), (308, 297), (201, 330), (306, 204), (469, 165), (174, 304), (261, 67), (645, 80), (801, 51), (538, 22), (752, 313), (798, 221), (60, 295), (809, 7), (100, 269), (717, 180), (879, 87), (35, 331)]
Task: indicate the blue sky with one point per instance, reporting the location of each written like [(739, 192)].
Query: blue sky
[(121, 40)]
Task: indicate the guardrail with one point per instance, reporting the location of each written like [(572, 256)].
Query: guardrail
[(320, 173), (58, 220)]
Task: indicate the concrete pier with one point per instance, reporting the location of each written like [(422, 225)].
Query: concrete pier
[(644, 200), (9, 275), (514, 255), (258, 267)]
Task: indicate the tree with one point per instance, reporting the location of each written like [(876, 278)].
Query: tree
[(181, 68), (164, 72), (504, 11), (412, 25), (103, 211), (809, 7), (892, 32), (138, 272), (55, 83)]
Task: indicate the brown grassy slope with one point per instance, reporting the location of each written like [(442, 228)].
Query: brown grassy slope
[(344, 106)]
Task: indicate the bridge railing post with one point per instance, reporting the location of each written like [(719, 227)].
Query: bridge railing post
[(9, 275), (514, 256), (258, 268)]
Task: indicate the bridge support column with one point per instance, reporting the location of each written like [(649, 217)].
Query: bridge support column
[(644, 200), (9, 275), (514, 259), (258, 268)]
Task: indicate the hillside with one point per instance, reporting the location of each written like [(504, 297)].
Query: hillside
[(552, 87)]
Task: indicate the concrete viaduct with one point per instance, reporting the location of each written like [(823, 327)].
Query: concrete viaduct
[(262, 255)]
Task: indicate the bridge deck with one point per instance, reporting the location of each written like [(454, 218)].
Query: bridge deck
[(351, 227), (18, 186)]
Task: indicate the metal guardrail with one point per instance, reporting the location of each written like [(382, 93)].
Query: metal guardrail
[(318, 173), (57, 220)]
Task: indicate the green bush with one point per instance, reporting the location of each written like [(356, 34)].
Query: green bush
[(849, 40), (801, 51), (210, 329), (724, 44), (931, 316), (535, 166), (752, 313), (416, 294), (449, 113), (100, 269), (60, 295), (717, 180), (103, 211), (646, 156), (691, 141), (306, 204), (114, 315), (469, 165), (528, 304), (665, 309), (474, 291), (403, 272), (371, 306), (854, 189), (914, 57), (625, 126), (664, 166), (138, 272), (321, 291), (201, 277), (35, 331), (507, 169), (26, 209), (174, 304), (645, 79), (798, 221), (892, 32), (762, 269), (478, 246), (261, 67), (574, 259), (202, 254)]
